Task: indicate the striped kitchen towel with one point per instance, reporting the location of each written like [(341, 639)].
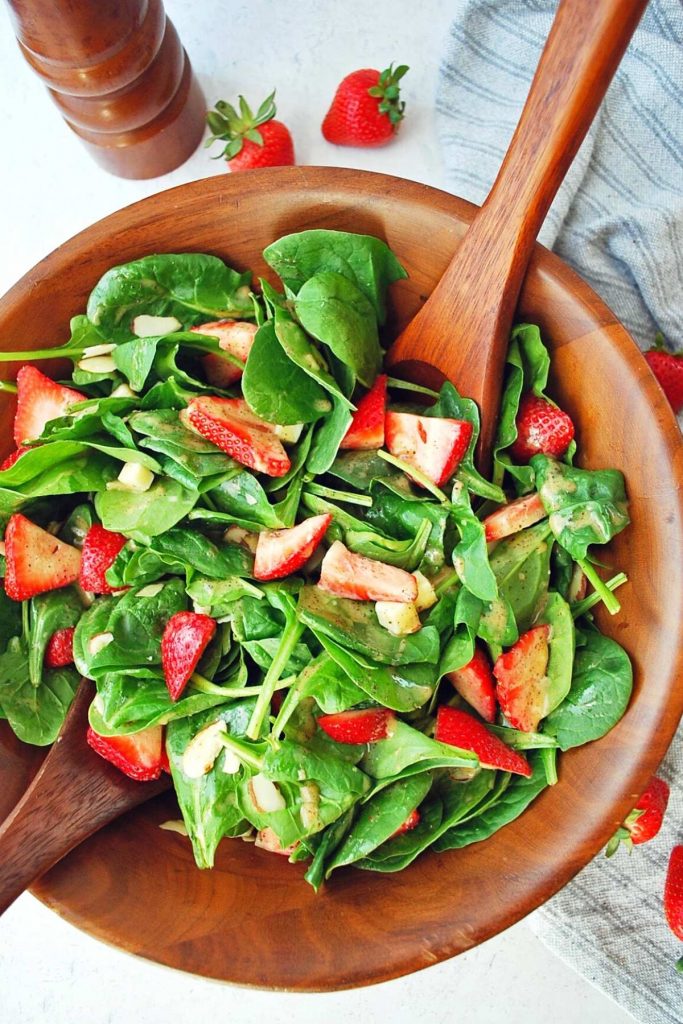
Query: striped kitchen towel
[(618, 220)]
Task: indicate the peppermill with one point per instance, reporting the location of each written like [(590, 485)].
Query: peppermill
[(120, 77)]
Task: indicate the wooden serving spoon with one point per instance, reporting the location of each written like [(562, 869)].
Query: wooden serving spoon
[(463, 330), (461, 333)]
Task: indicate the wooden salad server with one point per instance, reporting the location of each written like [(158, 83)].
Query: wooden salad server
[(463, 330), (461, 333), (74, 793)]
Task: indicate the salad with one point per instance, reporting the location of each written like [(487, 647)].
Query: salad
[(283, 572)]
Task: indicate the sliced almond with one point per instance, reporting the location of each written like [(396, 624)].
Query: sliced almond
[(266, 796), (97, 350), (97, 364), (146, 326), (98, 642), (203, 749), (426, 595), (398, 618), (151, 590)]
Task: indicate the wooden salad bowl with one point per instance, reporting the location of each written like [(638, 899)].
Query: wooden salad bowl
[(253, 920)]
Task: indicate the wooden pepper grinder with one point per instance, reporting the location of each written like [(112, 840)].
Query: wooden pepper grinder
[(120, 77)]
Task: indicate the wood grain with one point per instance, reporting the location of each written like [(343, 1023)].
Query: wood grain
[(73, 793), (462, 331), (136, 886), (120, 78)]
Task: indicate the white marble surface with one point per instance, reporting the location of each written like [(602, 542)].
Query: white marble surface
[(50, 189)]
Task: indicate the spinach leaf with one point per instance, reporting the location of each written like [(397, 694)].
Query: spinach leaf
[(301, 350), (601, 686), (95, 416), (328, 436), (328, 842), (127, 704), (61, 467), (145, 515), (276, 388), (189, 286), (335, 311), (509, 805), (400, 517), (585, 506), (219, 596), (470, 555), (521, 565), (366, 261), (35, 713), (354, 625), (452, 405), (360, 469), (57, 609), (399, 688), (208, 804), (328, 684), (408, 748), (181, 552), (244, 500), (557, 614), (379, 818)]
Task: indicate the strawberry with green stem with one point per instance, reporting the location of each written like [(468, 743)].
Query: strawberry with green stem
[(366, 109), (645, 820), (252, 140), (668, 369)]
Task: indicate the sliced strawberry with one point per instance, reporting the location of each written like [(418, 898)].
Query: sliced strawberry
[(165, 763), (60, 648), (39, 400), (411, 822), (475, 684), (281, 552), (346, 574), (231, 425), (235, 337), (459, 729), (645, 820), (668, 369), (139, 755), (186, 637), (36, 561), (365, 726), (99, 552), (541, 427), (520, 672), (673, 894), (12, 458), (432, 445), (515, 516), (367, 426)]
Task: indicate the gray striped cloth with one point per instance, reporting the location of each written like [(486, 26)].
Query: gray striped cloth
[(618, 220)]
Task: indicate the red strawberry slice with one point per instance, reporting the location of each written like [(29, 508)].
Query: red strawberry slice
[(281, 552), (60, 648), (186, 637), (459, 729), (475, 684), (235, 337), (434, 446), (36, 561), (541, 427), (411, 822), (515, 516), (645, 820), (100, 549), (673, 894), (520, 672), (365, 726), (367, 426), (668, 369), (346, 574), (229, 424), (12, 458), (139, 755), (39, 400)]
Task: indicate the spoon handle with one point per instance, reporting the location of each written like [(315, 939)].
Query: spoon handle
[(74, 794)]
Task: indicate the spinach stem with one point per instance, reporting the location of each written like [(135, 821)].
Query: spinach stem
[(446, 584), (602, 590), (415, 474), (8, 388), (549, 762), (290, 639), (204, 685), (407, 385), (25, 620), (40, 353), (289, 706), (242, 751), (350, 497)]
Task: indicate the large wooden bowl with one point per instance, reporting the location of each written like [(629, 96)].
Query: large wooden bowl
[(253, 920)]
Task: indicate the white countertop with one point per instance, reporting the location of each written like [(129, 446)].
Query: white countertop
[(51, 189)]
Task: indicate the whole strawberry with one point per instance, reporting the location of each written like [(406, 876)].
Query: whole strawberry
[(645, 820), (366, 109), (253, 140), (673, 896), (668, 369), (541, 427)]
